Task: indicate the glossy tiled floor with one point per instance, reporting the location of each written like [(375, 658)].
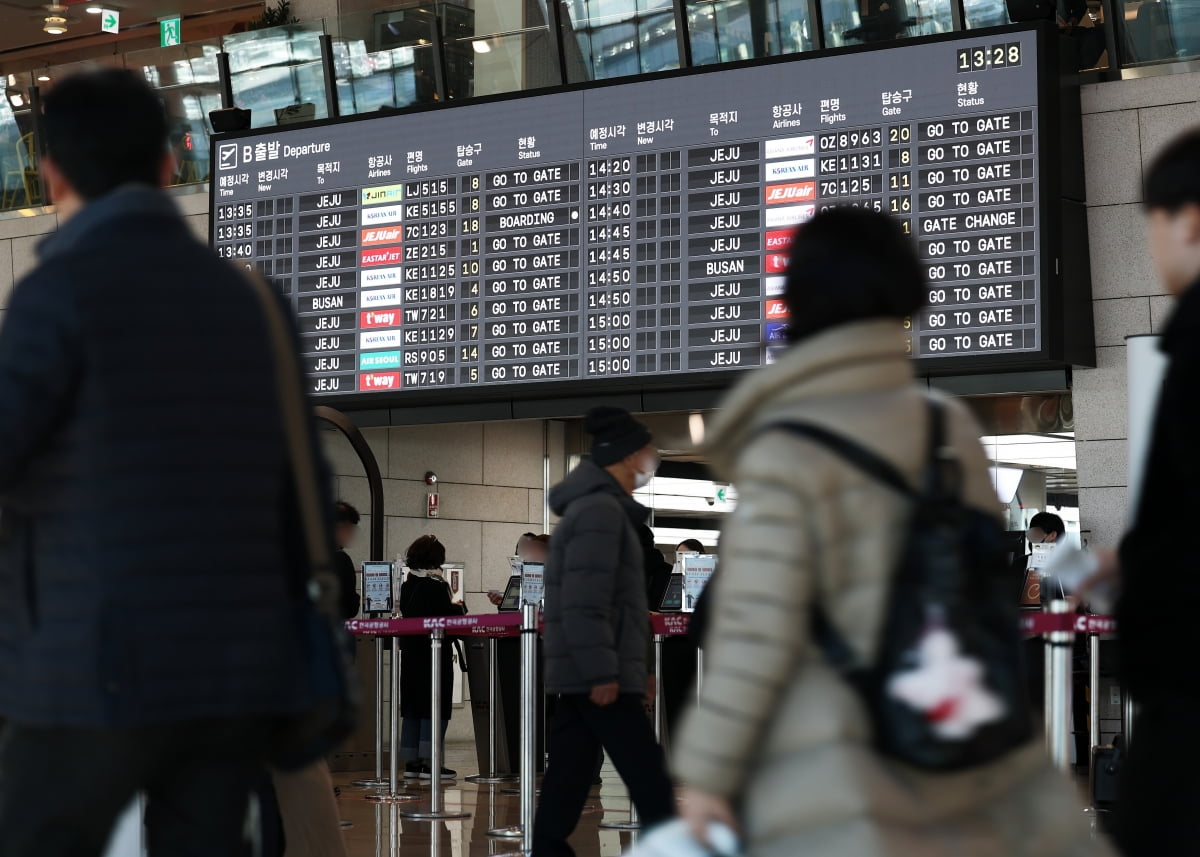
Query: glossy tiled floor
[(380, 831)]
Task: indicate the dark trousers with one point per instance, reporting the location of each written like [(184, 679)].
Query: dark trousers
[(1158, 789), (580, 729), (197, 778)]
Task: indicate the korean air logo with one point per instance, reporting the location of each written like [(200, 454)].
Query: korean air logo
[(777, 332), (802, 169), (227, 156)]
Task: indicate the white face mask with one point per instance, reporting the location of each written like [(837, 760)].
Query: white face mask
[(642, 478)]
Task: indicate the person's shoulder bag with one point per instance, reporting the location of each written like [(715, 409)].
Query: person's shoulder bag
[(332, 713)]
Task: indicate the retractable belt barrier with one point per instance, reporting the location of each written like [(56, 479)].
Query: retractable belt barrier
[(1056, 624)]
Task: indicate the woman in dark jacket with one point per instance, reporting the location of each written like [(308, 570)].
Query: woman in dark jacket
[(425, 593)]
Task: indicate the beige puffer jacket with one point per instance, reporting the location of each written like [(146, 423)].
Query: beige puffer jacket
[(777, 731)]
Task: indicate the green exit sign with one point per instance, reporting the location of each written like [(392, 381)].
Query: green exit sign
[(169, 31)]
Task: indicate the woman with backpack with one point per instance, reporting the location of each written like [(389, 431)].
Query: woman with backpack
[(809, 607)]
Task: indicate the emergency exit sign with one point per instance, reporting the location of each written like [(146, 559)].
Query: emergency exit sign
[(168, 31)]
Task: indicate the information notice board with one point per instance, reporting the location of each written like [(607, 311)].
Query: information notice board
[(637, 233)]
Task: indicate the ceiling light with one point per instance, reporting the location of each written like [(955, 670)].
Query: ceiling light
[(55, 25), (44, 78), (481, 46), (95, 10)]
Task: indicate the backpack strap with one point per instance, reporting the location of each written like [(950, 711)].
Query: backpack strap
[(871, 463)]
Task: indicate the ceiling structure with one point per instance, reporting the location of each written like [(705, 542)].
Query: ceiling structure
[(24, 45)]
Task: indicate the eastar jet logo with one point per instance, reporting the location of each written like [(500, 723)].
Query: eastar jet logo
[(384, 235), (375, 258), (379, 381), (791, 192), (777, 263), (380, 318), (780, 239), (777, 310)]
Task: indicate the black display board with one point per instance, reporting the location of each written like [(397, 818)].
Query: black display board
[(634, 235)]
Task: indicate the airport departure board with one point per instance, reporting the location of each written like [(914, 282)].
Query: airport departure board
[(639, 231)]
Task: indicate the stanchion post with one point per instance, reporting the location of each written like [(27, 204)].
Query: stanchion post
[(393, 794), (1058, 700), (699, 675), (493, 775), (437, 639), (660, 714), (1129, 715), (527, 766), (379, 782), (529, 632), (1093, 695)]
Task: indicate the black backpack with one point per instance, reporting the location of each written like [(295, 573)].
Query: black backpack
[(946, 688)]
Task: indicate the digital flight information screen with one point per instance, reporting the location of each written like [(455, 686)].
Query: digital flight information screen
[(639, 231)]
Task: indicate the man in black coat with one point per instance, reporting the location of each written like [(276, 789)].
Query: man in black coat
[(149, 540), (1158, 788), (598, 634)]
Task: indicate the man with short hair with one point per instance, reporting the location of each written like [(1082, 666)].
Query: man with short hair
[(598, 633), (345, 527), (1160, 588), (1045, 528), (150, 546)]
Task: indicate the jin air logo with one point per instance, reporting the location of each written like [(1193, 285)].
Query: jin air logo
[(227, 156)]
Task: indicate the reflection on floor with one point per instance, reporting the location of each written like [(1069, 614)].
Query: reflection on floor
[(379, 831)]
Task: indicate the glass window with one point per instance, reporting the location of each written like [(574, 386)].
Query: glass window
[(276, 69), (384, 60), (615, 38), (729, 30), (18, 160), (187, 79), (1157, 32), (508, 46), (857, 22)]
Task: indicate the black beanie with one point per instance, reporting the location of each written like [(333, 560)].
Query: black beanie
[(615, 435)]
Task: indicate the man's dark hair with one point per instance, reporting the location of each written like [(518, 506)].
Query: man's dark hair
[(1048, 523), (426, 554), (344, 513), (104, 129), (1173, 180), (847, 265), (694, 545), (524, 538)]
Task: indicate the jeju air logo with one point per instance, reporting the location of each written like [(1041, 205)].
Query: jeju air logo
[(777, 194), (777, 310), (382, 235)]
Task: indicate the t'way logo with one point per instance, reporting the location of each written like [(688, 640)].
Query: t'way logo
[(380, 318)]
